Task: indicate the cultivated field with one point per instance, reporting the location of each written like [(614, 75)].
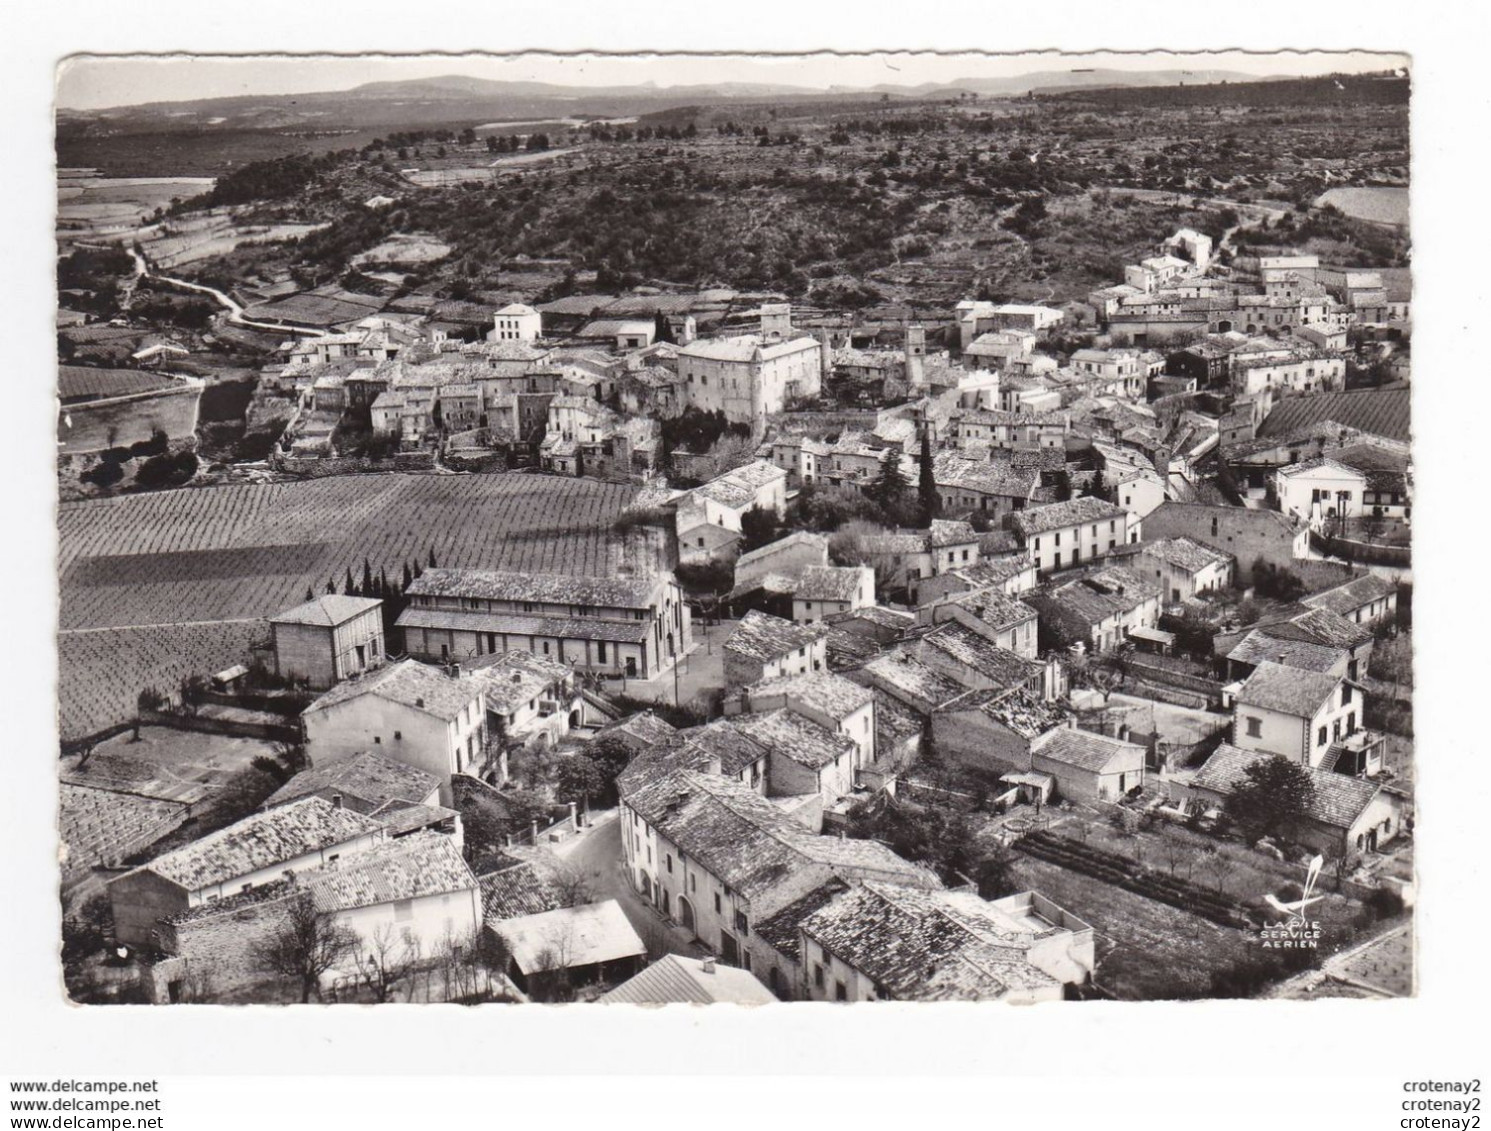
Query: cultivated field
[(101, 672), (251, 550), (161, 586)]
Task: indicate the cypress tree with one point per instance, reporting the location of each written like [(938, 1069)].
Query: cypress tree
[(349, 586), (927, 486), (367, 578)]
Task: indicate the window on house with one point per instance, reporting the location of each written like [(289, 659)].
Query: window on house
[(1345, 694), (1255, 727), (1323, 737), (840, 993), (717, 905), (817, 973), (741, 924), (670, 863)]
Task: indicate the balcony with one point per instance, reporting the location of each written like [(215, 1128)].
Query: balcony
[(1358, 754)]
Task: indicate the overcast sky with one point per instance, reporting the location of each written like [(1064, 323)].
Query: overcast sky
[(95, 82)]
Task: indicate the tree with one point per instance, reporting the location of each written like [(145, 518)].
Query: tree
[(1219, 866), (927, 482), (995, 872), (306, 946), (758, 527), (1096, 488), (890, 486), (580, 778), (387, 960), (1175, 852), (1272, 798)]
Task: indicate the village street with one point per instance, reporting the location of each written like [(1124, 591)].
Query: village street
[(596, 855)]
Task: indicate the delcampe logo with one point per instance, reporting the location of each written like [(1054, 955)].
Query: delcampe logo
[(1297, 930)]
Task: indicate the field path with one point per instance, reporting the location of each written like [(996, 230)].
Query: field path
[(235, 311)]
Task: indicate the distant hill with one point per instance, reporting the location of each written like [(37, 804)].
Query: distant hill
[(1378, 89), (453, 99)]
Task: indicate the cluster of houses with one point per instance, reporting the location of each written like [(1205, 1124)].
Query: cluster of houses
[(1090, 509)]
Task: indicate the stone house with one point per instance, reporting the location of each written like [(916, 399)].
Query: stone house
[(1305, 716), (1345, 814), (254, 852), (426, 717), (764, 647), (328, 639)]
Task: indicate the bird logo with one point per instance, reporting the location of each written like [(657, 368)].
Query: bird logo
[(1294, 910)]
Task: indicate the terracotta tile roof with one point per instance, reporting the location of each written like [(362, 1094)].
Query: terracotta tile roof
[(1059, 516), (551, 588), (781, 930), (762, 636), (1319, 625), (410, 867), (830, 694), (261, 841), (678, 978), (410, 683), (328, 610), (644, 729), (401, 817), (829, 583), (1085, 750), (512, 678), (748, 842), (928, 946), (1336, 800), (1093, 599), (966, 646), (995, 609), (790, 735), (1183, 553), (1017, 709), (900, 674), (367, 780), (1257, 647), (524, 889), (1291, 691), (1347, 598)]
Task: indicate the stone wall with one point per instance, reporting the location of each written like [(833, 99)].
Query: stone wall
[(215, 952), (318, 468), (121, 421)]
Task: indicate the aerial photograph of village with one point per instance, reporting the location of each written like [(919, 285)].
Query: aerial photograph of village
[(734, 530)]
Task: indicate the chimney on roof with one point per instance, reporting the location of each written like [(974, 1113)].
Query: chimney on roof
[(336, 800), (453, 669), (707, 966), (420, 702)]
